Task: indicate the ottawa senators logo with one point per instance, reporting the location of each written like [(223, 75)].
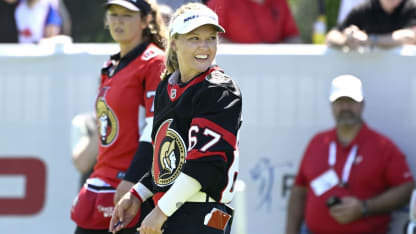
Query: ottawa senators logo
[(107, 121), (169, 155)]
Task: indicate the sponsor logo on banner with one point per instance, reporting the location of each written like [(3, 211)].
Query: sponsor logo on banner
[(34, 172)]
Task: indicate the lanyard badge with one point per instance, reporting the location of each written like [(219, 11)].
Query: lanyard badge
[(332, 158), (329, 178)]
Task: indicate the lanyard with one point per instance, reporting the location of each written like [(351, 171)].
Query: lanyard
[(348, 164)]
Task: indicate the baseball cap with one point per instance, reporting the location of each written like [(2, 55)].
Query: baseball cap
[(193, 19), (133, 5), (346, 86)]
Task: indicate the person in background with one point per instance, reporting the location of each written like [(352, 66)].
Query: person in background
[(8, 29), (377, 23), (124, 113), (166, 12), (37, 19), (256, 21), (84, 144), (345, 8), (66, 18), (351, 177), (195, 136)]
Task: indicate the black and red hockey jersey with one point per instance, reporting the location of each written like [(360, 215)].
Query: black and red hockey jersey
[(195, 131)]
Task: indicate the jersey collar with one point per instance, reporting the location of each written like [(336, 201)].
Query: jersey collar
[(124, 61), (177, 88)]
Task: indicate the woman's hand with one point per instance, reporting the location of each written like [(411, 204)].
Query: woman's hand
[(124, 212), (153, 222), (123, 188)]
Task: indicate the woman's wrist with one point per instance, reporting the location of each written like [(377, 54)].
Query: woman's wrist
[(161, 213)]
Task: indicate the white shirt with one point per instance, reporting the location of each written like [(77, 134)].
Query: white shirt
[(30, 22)]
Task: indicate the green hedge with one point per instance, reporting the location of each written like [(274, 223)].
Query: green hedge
[(306, 12)]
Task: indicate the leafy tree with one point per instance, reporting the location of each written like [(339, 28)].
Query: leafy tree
[(88, 20)]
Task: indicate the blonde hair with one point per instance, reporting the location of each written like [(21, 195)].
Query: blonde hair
[(171, 58)]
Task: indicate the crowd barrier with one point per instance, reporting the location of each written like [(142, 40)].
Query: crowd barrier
[(285, 90)]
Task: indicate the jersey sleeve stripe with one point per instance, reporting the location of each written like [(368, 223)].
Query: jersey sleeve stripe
[(136, 194), (157, 197), (229, 137), (195, 154), (140, 191)]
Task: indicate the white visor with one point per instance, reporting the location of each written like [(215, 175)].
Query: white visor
[(123, 3), (193, 19)]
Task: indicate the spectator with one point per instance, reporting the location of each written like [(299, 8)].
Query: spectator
[(382, 23), (66, 18), (60, 6), (345, 7), (84, 144), (350, 177), (256, 21), (37, 19), (166, 11), (8, 29)]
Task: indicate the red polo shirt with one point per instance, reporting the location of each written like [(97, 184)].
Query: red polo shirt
[(379, 165), (248, 22)]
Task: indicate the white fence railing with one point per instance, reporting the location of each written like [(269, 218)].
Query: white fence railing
[(284, 88)]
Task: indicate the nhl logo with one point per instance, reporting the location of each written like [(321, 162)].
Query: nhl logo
[(173, 94)]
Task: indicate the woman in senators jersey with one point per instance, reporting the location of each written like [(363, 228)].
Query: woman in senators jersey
[(196, 123), (124, 112)]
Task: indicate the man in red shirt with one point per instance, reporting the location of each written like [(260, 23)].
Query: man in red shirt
[(351, 177), (256, 21)]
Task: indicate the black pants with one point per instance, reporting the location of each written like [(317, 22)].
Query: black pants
[(144, 209), (189, 219)]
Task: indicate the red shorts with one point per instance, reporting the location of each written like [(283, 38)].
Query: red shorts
[(93, 207)]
